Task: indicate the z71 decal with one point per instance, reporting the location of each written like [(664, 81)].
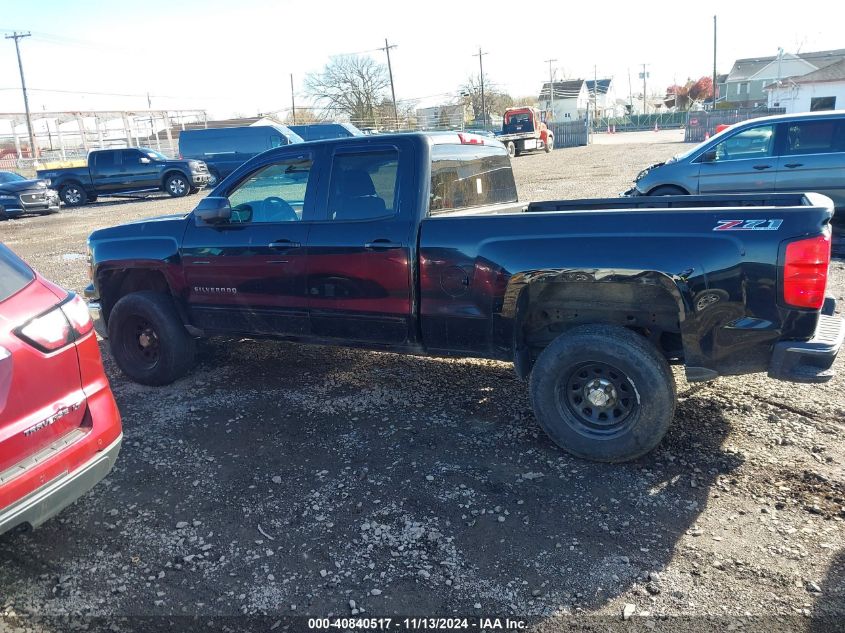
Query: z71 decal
[(748, 225)]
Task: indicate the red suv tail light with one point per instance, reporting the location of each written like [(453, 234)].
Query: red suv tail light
[(60, 326), (805, 271)]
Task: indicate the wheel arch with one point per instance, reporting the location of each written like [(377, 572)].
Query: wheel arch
[(174, 171), (114, 283), (649, 303), (684, 190)]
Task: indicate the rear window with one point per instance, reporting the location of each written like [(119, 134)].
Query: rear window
[(464, 176), (14, 274), (201, 143)]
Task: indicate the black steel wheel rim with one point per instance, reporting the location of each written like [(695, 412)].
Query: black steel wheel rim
[(597, 400), (141, 342)]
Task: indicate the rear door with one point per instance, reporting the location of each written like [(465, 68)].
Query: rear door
[(359, 255), (812, 158), (41, 398), (106, 170), (248, 274), (743, 162)]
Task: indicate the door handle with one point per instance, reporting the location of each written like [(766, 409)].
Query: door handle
[(381, 245), (794, 165), (761, 167), (283, 245)]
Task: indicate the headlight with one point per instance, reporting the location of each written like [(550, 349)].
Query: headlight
[(642, 174)]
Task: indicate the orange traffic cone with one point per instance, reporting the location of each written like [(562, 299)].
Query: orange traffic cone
[(656, 129), (706, 135)]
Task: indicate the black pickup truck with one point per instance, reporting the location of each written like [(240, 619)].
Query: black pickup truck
[(128, 170), (417, 244)]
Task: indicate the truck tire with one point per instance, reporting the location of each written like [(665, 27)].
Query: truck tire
[(177, 185), (147, 338), (73, 194), (550, 143), (511, 149), (603, 393)]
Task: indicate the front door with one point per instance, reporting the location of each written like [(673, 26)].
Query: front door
[(742, 163), (248, 274), (139, 170), (812, 158), (359, 271)]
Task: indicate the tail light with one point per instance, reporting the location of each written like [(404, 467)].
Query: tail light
[(805, 271), (60, 326), (470, 139)]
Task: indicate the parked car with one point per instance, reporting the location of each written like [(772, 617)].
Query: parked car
[(19, 195), (126, 170), (417, 243), (323, 131), (225, 149), (60, 430), (784, 153)]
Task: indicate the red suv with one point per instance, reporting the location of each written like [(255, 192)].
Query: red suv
[(60, 429)]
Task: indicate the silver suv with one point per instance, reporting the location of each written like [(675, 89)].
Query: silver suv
[(784, 153)]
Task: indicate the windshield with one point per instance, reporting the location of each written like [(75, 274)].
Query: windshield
[(151, 153), (690, 152), (8, 176)]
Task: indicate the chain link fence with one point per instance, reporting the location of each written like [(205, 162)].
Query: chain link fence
[(702, 125)]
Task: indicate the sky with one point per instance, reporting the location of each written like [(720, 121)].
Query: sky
[(235, 57)]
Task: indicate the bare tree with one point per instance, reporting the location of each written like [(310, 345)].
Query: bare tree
[(496, 100), (304, 116), (350, 85)]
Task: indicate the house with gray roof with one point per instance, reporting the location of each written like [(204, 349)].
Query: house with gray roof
[(570, 99), (822, 89), (745, 84)]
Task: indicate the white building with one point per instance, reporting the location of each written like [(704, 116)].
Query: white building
[(823, 89), (570, 100)]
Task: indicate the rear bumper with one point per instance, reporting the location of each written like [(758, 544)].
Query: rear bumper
[(810, 361), (49, 500)]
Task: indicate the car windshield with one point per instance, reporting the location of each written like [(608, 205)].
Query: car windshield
[(696, 148), (8, 176), (154, 154)]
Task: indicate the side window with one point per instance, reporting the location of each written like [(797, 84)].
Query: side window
[(752, 143), (810, 137), (106, 160), (364, 186), (274, 193), (130, 157)]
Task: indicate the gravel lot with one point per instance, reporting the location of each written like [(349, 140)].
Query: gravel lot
[(282, 480)]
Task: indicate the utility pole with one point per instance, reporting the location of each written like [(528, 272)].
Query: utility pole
[(551, 89), (595, 92), (483, 102), (630, 97), (386, 49), (645, 102), (714, 62), (292, 102), (19, 36), (780, 57)]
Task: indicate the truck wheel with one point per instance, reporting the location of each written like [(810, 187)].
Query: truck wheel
[(550, 143), (73, 195), (177, 186), (511, 149), (147, 339), (603, 393)]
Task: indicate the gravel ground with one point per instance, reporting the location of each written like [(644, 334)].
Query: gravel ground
[(280, 479)]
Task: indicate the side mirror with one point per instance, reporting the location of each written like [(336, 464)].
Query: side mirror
[(709, 156), (144, 160), (213, 210)]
